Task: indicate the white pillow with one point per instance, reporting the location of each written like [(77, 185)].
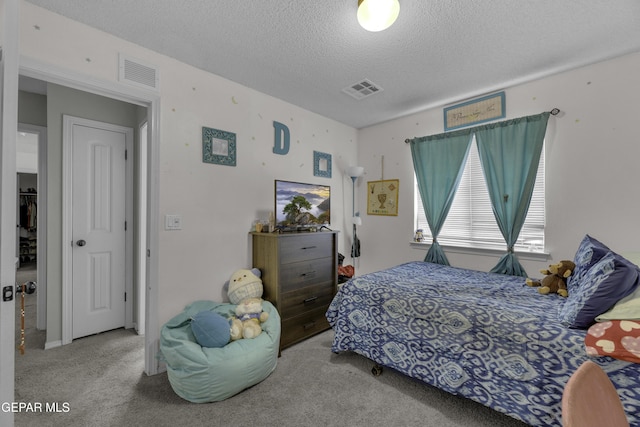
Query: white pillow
[(628, 308), (634, 257)]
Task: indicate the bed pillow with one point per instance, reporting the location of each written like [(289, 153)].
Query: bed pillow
[(604, 284), (589, 252), (210, 329), (628, 308), (619, 339)]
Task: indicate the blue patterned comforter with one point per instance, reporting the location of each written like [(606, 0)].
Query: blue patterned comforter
[(485, 336)]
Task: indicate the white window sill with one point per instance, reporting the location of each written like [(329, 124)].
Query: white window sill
[(531, 256)]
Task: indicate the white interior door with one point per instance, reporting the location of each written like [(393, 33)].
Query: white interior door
[(98, 226), (9, 18)]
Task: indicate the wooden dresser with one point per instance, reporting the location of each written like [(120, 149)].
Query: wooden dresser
[(300, 276)]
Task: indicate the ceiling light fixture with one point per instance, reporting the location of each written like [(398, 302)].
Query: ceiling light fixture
[(377, 15)]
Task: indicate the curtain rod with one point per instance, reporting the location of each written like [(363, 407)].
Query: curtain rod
[(553, 112)]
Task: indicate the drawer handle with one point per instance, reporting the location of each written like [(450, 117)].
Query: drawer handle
[(309, 325), (310, 300), (309, 247), (308, 273)]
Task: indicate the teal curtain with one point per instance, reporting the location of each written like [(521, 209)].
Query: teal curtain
[(509, 155), (438, 161)]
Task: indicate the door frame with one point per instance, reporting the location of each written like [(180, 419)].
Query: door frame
[(67, 220), (141, 227), (151, 100), (41, 273)]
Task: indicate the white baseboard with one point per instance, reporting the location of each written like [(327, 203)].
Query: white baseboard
[(52, 344)]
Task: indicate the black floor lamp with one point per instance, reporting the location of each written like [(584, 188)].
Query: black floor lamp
[(354, 172)]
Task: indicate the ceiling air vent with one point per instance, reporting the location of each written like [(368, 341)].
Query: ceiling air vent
[(134, 72), (362, 89)]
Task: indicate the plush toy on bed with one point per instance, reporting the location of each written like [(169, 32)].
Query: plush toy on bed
[(555, 279), (245, 290)]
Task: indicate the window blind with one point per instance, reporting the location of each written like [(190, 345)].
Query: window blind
[(471, 222)]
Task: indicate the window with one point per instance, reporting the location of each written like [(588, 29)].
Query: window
[(471, 223)]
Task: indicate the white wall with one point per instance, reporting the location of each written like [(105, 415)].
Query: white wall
[(217, 203), (592, 173)]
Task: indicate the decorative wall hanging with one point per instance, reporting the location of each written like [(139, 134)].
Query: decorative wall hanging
[(322, 164), (280, 145), (382, 197), (218, 147), (475, 111)]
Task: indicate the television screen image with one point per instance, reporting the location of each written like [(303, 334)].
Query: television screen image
[(302, 205)]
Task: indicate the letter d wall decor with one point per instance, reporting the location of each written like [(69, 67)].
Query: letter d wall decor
[(281, 141)]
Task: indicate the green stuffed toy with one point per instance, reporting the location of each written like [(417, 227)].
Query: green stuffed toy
[(555, 279)]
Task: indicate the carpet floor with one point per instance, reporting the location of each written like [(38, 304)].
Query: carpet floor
[(99, 381)]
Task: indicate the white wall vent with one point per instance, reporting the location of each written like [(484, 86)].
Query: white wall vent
[(362, 89), (135, 72)]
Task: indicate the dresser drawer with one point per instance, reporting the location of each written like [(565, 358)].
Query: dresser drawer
[(306, 273), (305, 246), (303, 326), (306, 299)]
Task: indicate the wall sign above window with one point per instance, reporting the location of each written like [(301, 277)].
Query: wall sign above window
[(476, 111)]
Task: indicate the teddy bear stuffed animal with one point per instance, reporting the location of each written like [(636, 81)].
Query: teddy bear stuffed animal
[(555, 279), (245, 290), (248, 320)]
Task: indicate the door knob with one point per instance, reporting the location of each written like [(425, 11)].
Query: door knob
[(81, 243)]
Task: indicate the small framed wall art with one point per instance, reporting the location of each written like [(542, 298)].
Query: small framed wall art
[(321, 164), (382, 197), (218, 147), (476, 111)]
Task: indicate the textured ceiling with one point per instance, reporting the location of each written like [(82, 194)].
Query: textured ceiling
[(305, 52)]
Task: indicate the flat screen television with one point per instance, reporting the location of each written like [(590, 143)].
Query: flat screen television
[(300, 205)]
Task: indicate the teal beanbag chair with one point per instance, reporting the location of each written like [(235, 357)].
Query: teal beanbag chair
[(201, 374)]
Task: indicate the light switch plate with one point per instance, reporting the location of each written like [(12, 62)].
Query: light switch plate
[(173, 222)]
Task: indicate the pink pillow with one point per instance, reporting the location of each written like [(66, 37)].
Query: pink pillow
[(619, 339)]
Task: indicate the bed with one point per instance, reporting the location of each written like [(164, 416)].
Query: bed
[(484, 336)]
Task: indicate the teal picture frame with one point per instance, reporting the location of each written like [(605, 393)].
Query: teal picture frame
[(321, 164), (218, 147)]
